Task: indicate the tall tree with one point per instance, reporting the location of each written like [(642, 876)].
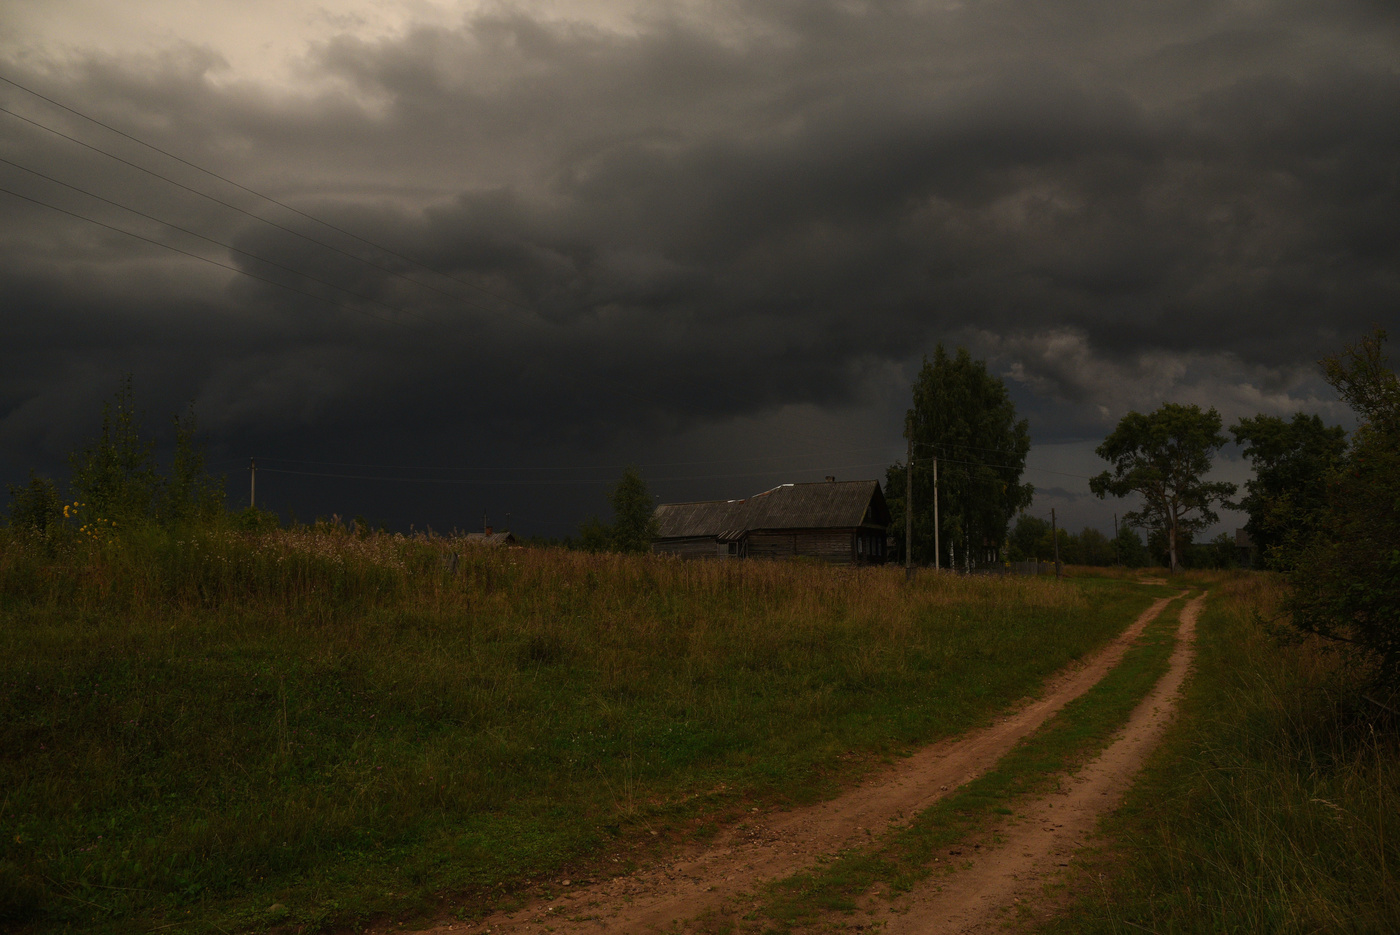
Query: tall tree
[(1164, 456), (1292, 461), (114, 476), (634, 523), (1346, 584), (963, 416)]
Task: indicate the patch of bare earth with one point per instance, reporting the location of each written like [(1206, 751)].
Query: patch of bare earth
[(984, 886), (697, 880)]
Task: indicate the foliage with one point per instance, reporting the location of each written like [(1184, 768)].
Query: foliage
[(1031, 539), (1164, 456), (634, 520), (1026, 537), (1292, 461), (1270, 805), (1129, 550), (190, 494), (963, 416), (36, 506), (1346, 585), (196, 725), (114, 475)]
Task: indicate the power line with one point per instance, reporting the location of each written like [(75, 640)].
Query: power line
[(530, 483), (269, 198), (243, 211), (218, 243), (195, 256)]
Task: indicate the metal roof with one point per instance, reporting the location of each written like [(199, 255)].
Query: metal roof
[(829, 505)]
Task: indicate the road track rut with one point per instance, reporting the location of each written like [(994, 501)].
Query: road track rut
[(698, 879)]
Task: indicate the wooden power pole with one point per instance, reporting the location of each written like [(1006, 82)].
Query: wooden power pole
[(1055, 537), (909, 512), (936, 559), (252, 484)]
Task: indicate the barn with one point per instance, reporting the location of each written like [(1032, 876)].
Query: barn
[(844, 522)]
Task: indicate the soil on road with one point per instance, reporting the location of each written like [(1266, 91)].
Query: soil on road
[(699, 879)]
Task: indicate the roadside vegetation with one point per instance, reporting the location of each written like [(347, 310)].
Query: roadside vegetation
[(1273, 804)]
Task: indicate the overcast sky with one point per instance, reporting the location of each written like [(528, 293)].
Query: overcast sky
[(712, 238)]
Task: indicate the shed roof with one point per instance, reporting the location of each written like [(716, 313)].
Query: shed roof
[(829, 505)]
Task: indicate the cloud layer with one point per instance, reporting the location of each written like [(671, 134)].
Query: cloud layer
[(640, 226)]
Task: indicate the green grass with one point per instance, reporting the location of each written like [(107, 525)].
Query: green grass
[(1273, 805), (197, 727), (903, 857)]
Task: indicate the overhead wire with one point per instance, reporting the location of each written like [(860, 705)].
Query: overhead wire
[(246, 212), (265, 197), (195, 256), (219, 243)]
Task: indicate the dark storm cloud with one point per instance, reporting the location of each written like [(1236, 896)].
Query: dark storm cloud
[(692, 222)]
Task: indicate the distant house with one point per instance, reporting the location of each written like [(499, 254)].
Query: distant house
[(845, 523), (490, 538)]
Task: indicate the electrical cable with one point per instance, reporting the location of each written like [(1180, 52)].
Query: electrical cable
[(218, 243), (268, 198), (196, 256), (247, 213)]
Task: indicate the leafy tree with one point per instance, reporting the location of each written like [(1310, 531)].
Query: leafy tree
[(1292, 461), (1026, 536), (190, 493), (1129, 550), (1346, 584), (1164, 456), (35, 506), (964, 416), (114, 476), (1092, 547), (634, 520)]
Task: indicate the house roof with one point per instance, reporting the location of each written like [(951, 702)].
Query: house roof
[(826, 505), (490, 538)]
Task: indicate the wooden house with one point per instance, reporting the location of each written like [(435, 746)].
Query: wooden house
[(845, 523)]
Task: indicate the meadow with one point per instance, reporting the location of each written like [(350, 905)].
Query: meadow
[(212, 730)]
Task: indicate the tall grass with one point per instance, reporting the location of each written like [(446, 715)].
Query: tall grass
[(195, 726), (1274, 805)]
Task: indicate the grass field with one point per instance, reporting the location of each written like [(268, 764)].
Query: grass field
[(1274, 803), (216, 732)]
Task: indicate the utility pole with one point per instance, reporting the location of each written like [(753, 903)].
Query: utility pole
[(909, 512), (1055, 537), (1116, 561), (935, 513), (252, 483)]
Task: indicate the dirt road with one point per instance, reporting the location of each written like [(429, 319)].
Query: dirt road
[(699, 879), (977, 897)]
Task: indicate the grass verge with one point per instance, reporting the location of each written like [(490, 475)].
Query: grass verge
[(907, 855), (1271, 805), (208, 731)]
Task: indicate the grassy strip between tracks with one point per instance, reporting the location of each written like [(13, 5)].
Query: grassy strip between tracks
[(905, 856), (1273, 803)]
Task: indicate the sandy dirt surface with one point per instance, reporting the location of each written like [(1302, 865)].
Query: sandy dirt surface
[(985, 885), (698, 879)]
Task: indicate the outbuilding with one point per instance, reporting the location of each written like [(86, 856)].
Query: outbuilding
[(844, 522)]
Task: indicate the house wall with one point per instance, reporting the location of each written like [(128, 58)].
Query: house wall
[(832, 545), (696, 547)]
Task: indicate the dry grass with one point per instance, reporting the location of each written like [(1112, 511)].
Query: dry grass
[(195, 726)]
